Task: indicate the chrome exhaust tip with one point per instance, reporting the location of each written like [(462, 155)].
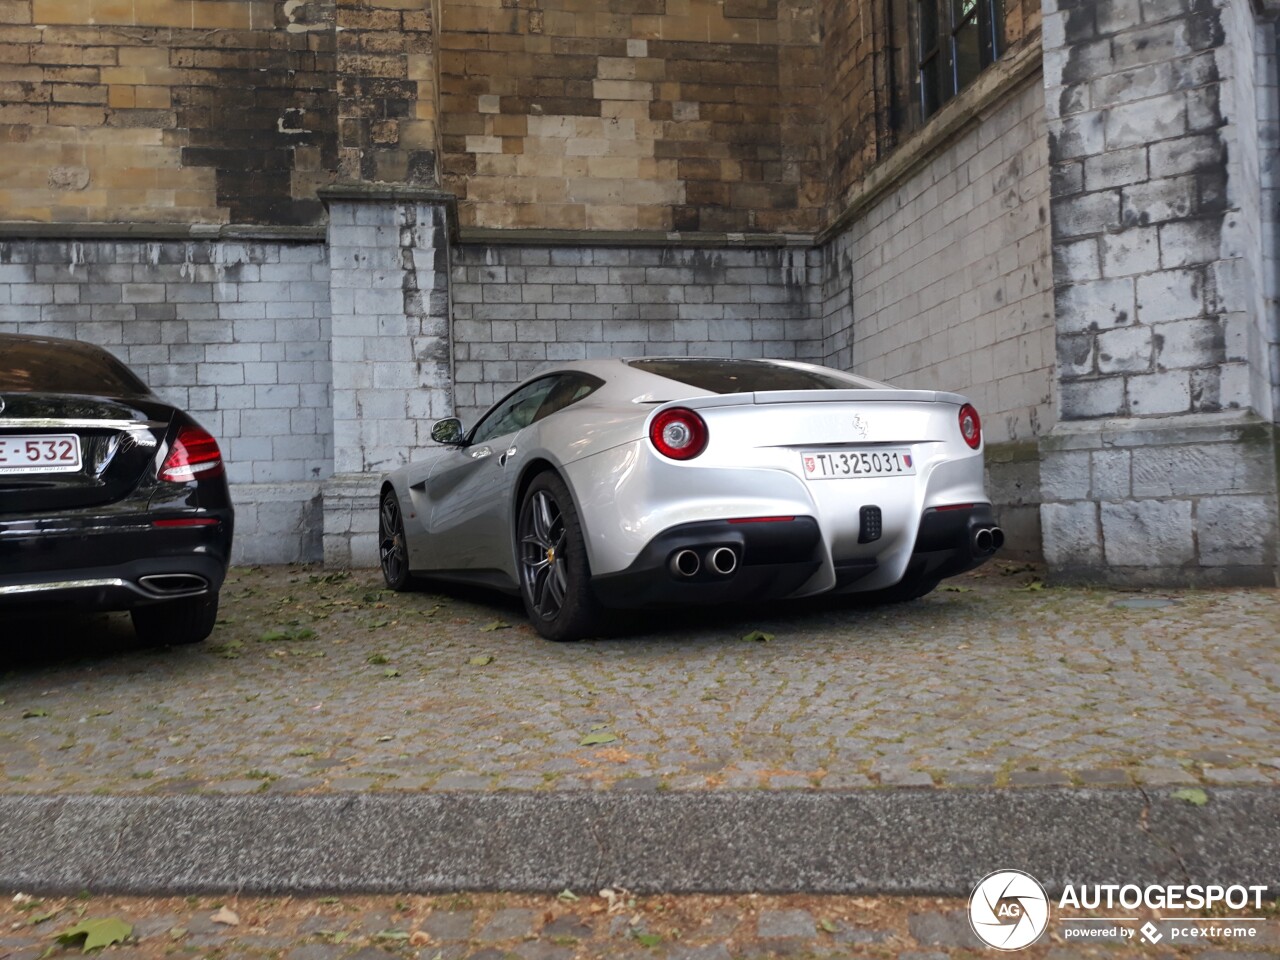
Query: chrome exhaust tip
[(722, 560), (684, 563), (982, 542), (997, 538), (173, 584)]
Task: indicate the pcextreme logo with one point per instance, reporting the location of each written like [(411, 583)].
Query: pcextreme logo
[(1008, 910)]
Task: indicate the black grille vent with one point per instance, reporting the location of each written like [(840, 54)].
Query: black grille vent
[(870, 524)]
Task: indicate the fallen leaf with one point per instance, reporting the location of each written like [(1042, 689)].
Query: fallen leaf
[(419, 939), (483, 660), (29, 714), (648, 939), (377, 659), (227, 917), (1192, 795), (97, 932), (388, 674), (568, 896), (391, 935), (758, 636), (601, 736), (495, 625), (827, 925), (1034, 585)]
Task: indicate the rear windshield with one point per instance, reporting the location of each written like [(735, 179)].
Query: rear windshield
[(53, 366), (743, 376)]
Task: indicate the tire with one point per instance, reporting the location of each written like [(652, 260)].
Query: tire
[(393, 550), (555, 578), (176, 622)]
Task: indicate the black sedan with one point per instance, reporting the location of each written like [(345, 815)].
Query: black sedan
[(110, 499)]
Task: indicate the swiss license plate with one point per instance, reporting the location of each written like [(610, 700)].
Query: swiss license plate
[(42, 453), (848, 464)]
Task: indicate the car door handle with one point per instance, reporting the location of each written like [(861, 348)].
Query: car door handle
[(510, 452), (479, 453)]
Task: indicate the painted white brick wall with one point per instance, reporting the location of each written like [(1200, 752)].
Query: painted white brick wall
[(237, 334), (518, 307), (945, 283)]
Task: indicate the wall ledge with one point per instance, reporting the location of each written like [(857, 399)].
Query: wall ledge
[(967, 109)]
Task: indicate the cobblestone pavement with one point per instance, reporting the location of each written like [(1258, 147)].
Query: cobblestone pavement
[(324, 682), (525, 927)]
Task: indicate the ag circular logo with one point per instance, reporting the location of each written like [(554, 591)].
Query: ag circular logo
[(1008, 910)]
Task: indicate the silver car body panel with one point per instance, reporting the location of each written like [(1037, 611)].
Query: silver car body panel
[(459, 503)]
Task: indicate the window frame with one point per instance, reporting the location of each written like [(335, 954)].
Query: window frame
[(948, 20)]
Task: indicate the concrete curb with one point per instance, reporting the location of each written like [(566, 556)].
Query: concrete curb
[(904, 841)]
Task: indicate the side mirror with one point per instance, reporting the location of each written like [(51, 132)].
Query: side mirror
[(448, 431)]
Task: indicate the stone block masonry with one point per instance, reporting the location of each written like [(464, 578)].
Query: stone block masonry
[(388, 257), (235, 333), (1161, 268), (518, 307)]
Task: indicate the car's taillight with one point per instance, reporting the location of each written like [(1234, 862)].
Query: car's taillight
[(678, 433), (194, 455), (970, 426)]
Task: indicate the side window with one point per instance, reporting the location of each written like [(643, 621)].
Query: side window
[(516, 411), (571, 388)]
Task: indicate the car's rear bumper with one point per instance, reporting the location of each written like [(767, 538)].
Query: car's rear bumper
[(774, 559), (770, 560), (112, 561)]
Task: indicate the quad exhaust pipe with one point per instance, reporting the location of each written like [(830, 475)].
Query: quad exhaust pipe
[(722, 560), (718, 561), (986, 541), (685, 564)]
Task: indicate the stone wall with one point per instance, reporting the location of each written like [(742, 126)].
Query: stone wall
[(178, 111), (237, 334), (688, 115), (517, 307), (1163, 467), (868, 104)]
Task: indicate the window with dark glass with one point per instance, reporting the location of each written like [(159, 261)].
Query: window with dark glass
[(950, 42)]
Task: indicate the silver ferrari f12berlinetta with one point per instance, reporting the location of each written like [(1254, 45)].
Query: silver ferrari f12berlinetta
[(630, 483)]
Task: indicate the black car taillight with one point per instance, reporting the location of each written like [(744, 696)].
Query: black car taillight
[(194, 455), (678, 433)]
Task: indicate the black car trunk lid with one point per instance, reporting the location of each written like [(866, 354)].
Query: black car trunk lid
[(118, 442)]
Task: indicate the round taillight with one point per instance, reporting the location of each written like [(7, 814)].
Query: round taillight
[(678, 433), (970, 426)]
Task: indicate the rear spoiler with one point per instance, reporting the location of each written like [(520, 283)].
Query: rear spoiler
[(821, 396)]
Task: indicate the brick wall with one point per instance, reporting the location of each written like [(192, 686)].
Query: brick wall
[(945, 282), (653, 114), (517, 307), (180, 111), (236, 334)]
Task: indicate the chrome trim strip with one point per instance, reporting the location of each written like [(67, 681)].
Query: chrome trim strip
[(22, 588), (140, 430)]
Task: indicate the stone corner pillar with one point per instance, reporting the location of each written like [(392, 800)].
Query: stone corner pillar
[(391, 348), (1161, 468)]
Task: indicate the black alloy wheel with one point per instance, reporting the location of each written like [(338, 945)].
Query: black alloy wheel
[(393, 552), (555, 579)]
